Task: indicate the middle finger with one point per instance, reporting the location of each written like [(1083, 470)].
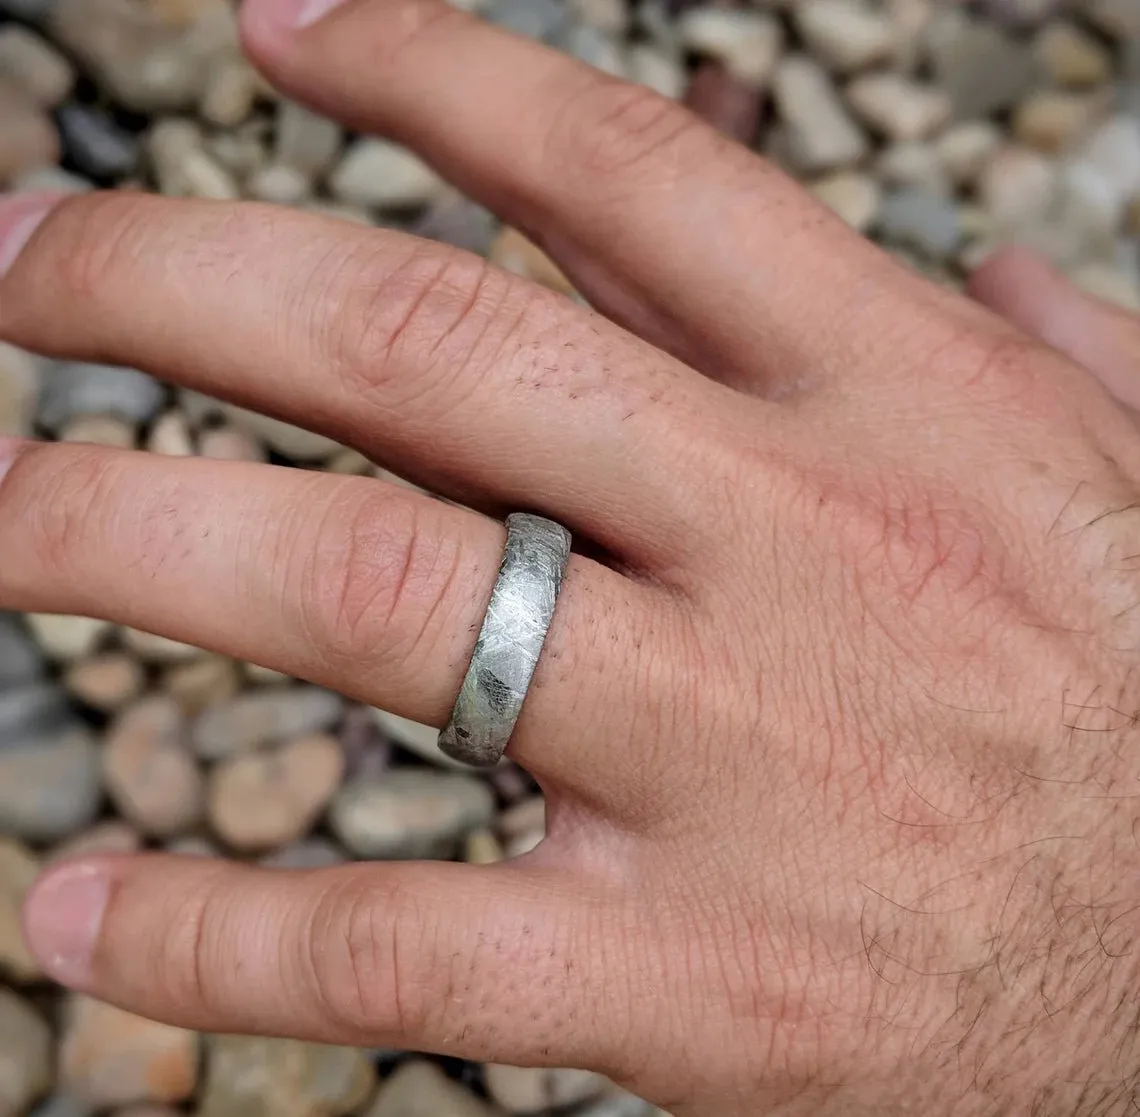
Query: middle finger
[(454, 374)]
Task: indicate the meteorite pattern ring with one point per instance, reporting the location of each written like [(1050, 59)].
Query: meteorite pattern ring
[(510, 641)]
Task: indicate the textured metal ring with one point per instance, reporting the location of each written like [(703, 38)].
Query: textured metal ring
[(510, 641)]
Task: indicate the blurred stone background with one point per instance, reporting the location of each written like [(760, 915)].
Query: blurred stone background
[(939, 129)]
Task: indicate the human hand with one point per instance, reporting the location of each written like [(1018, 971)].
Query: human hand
[(837, 730)]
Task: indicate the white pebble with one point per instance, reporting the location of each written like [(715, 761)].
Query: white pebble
[(746, 43), (898, 107), (846, 35), (384, 174), (821, 135), (854, 197)]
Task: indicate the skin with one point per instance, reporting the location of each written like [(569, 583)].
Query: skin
[(837, 719)]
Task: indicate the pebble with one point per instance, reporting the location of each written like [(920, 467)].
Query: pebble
[(481, 847), (913, 164), (730, 105), (95, 143), (821, 135), (240, 152), (384, 174), (610, 16), (536, 19), (983, 69), (455, 220), (254, 1077), (899, 107), (148, 771), (1052, 120), (148, 57), (310, 853), (34, 66), (152, 648), (410, 813), (523, 818), (264, 676), (1070, 56), (99, 430), (208, 681), (747, 43), (305, 141), (267, 799), (1017, 186), (34, 711), (1119, 18), (966, 148), (106, 682), (846, 35), (25, 1055), (230, 94), (421, 1089), (278, 184), (73, 388), (28, 138), (1108, 283), (854, 197), (515, 253), (265, 717), (284, 438), (231, 444), (18, 870), (67, 638), (646, 65), (422, 740), (619, 1104), (20, 659), (538, 1089), (52, 179), (112, 836), (49, 789), (171, 436), (110, 1057), (916, 219), (62, 1105), (1105, 172), (19, 389), (183, 166)]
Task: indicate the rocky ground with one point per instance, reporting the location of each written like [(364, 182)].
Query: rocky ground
[(940, 129)]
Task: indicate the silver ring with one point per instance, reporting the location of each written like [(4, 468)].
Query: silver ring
[(510, 641)]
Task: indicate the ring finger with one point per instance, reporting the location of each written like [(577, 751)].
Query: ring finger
[(354, 583)]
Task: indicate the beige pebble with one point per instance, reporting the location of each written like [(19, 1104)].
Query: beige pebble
[(264, 676), (539, 1089), (31, 63), (240, 152), (746, 43), (854, 197), (148, 770), (287, 439), (647, 65), (898, 106), (481, 847), (1052, 120), (820, 133), (110, 1057), (1071, 56), (19, 390), (100, 430), (515, 253), (966, 148), (524, 817), (848, 35), (106, 682), (913, 163), (28, 137), (18, 869), (376, 172), (171, 436), (230, 93), (205, 682), (280, 184), (112, 836), (230, 444), (67, 638), (350, 463), (1017, 186), (265, 800), (152, 648), (419, 739), (418, 1088)]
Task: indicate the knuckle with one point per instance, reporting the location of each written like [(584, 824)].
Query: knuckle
[(435, 311), (373, 575), (613, 130), (367, 970)]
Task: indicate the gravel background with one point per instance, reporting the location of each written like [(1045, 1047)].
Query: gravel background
[(940, 129)]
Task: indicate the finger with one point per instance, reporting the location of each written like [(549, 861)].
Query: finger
[(363, 586), (459, 376), (487, 963), (1033, 295), (693, 242)]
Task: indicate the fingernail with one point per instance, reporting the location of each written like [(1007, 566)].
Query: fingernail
[(20, 216), (62, 917), (7, 454), (312, 10)]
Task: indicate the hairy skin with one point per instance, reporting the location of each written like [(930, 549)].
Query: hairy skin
[(839, 717)]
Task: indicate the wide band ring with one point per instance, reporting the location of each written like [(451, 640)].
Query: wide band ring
[(510, 641)]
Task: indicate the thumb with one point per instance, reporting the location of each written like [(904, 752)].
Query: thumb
[(483, 963), (1033, 295)]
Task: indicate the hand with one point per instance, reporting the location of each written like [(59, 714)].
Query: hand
[(838, 731)]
